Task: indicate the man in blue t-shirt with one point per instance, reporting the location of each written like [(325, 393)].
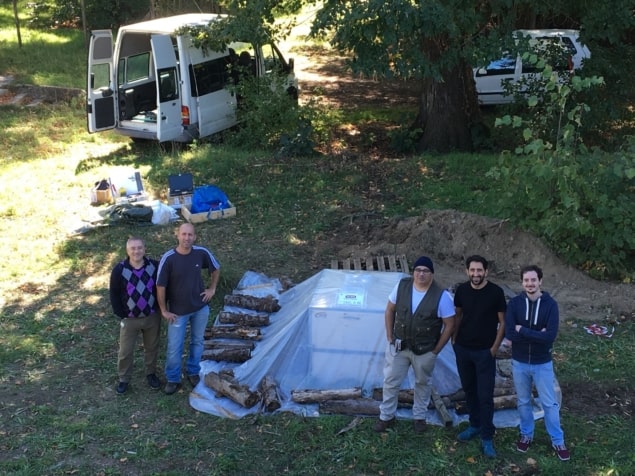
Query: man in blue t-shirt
[(480, 327), (183, 298)]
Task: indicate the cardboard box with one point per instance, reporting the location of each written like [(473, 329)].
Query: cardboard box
[(101, 193), (180, 190), (211, 215), (178, 201)]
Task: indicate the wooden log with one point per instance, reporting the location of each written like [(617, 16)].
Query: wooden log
[(406, 396), (269, 392), (498, 392), (228, 344), (227, 355), (356, 406), (244, 319), (440, 406), (225, 385), (502, 402), (316, 396), (233, 332), (265, 304)]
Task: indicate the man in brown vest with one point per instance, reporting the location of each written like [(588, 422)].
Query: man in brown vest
[(419, 321)]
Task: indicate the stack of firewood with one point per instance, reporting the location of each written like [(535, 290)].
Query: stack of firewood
[(232, 340)]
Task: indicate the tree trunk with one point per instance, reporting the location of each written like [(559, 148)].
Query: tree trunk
[(243, 319), (17, 22), (448, 112)]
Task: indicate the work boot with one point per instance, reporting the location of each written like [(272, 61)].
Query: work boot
[(420, 426), (383, 425)]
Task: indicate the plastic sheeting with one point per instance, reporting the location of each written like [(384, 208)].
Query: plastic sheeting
[(329, 334)]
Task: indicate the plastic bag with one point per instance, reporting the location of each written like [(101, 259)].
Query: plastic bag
[(162, 214), (208, 197)]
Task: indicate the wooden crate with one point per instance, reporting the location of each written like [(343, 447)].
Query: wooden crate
[(394, 263), (205, 216)]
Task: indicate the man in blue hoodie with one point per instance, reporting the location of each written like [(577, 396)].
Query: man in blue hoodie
[(531, 324)]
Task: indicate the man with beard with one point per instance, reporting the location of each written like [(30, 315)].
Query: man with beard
[(478, 332), (531, 322)]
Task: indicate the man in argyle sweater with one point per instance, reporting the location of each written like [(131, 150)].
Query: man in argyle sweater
[(133, 299)]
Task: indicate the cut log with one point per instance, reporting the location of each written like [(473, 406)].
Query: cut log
[(233, 332), (226, 386), (228, 344), (405, 396), (227, 355), (440, 406), (269, 392), (265, 304), (498, 392), (502, 402), (316, 396), (357, 406), (244, 319)]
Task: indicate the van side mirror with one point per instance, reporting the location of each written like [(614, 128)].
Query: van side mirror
[(291, 65)]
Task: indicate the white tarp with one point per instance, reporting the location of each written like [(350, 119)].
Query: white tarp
[(329, 334)]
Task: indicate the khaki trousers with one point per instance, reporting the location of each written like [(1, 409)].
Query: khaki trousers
[(395, 371), (150, 328)]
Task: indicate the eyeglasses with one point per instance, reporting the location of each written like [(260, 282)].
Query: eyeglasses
[(423, 271)]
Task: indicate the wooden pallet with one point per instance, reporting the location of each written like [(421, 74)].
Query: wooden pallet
[(393, 263)]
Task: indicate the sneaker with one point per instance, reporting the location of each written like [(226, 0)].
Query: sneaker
[(562, 452), (171, 387), (122, 387), (523, 443), (383, 425), (154, 382), (469, 433), (488, 448), (194, 380), (420, 426)]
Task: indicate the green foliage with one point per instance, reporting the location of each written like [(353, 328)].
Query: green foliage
[(404, 139), (271, 119), (577, 199)]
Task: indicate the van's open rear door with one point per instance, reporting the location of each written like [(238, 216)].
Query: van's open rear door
[(101, 101), (169, 122)]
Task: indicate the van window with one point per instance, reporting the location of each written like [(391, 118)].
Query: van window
[(134, 68), (167, 85), (556, 51), (100, 76), (272, 60), (209, 76), (505, 65)]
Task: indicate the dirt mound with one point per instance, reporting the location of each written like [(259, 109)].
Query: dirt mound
[(449, 236)]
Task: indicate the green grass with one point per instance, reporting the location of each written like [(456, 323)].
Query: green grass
[(58, 340)]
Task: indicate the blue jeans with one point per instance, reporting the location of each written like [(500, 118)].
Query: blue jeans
[(543, 378), (176, 342), (477, 371)]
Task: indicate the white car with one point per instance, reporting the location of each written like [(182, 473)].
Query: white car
[(490, 80)]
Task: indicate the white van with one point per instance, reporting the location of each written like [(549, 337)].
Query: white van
[(490, 81), (156, 85)]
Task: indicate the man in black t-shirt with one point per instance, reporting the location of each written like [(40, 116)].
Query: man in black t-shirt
[(479, 330)]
